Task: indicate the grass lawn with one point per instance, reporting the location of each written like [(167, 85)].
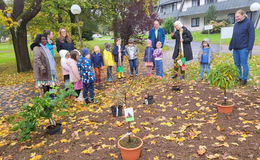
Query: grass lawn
[(215, 38)]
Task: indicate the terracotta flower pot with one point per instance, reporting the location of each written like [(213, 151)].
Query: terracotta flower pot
[(225, 108), (130, 153)]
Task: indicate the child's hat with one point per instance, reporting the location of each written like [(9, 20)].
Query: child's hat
[(206, 40), (85, 52)]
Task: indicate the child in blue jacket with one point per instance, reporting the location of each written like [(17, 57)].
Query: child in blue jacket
[(87, 75), (98, 63)]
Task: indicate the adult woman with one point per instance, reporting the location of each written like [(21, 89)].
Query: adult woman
[(64, 41), (242, 43), (44, 64), (186, 53), (49, 44)]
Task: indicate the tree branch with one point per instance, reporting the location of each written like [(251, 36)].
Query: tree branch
[(2, 5), (18, 7), (33, 10)]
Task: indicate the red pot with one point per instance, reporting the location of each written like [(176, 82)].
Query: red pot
[(130, 153), (225, 108)]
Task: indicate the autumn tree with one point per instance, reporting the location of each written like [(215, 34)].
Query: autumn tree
[(136, 17), (21, 15)]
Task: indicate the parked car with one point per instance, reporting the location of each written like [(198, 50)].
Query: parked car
[(97, 36)]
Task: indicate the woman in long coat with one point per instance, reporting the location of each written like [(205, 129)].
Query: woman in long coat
[(181, 57), (44, 64)]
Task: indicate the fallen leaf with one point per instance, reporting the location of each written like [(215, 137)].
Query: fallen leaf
[(202, 150), (221, 138), (170, 155), (113, 155), (213, 156), (88, 151)]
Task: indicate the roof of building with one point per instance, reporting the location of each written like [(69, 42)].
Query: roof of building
[(165, 2), (220, 6)]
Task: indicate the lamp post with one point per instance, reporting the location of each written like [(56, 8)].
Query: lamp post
[(255, 7), (76, 10)]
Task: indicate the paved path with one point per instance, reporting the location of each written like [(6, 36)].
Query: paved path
[(215, 47)]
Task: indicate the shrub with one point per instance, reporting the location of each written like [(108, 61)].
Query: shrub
[(42, 108), (216, 26), (223, 76)]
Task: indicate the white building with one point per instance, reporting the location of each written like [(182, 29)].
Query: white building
[(193, 11)]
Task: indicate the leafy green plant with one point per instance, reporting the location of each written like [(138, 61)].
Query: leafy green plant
[(210, 14), (223, 76), (42, 108)]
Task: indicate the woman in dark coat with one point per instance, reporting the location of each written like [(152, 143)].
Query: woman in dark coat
[(180, 67), (64, 42)]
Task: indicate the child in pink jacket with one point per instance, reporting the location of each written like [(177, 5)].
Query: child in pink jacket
[(74, 72)]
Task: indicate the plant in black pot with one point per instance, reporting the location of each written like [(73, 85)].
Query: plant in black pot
[(43, 108), (224, 76)]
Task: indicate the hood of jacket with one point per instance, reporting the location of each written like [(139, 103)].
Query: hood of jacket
[(63, 53)]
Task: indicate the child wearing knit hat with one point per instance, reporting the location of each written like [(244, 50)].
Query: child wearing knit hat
[(87, 75)]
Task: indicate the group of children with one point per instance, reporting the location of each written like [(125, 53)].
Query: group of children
[(77, 66)]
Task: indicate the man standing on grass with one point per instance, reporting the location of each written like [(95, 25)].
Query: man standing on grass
[(156, 34), (242, 43)]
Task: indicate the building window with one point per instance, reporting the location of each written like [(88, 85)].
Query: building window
[(195, 3), (174, 6), (231, 18), (161, 10), (195, 22), (251, 15), (210, 1)]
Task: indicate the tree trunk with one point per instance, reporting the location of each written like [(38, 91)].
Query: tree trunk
[(19, 36)]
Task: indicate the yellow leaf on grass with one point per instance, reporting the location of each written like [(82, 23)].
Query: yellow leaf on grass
[(66, 151), (153, 142), (170, 155), (113, 155), (64, 141), (87, 133), (231, 158), (35, 157)]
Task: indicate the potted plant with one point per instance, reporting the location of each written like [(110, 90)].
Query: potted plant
[(130, 147), (43, 108), (224, 76)]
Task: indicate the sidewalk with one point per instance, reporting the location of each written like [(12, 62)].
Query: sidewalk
[(215, 47)]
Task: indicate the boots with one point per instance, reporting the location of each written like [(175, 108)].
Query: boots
[(122, 75), (119, 75)]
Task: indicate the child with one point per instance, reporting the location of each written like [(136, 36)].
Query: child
[(97, 62), (158, 55), (148, 58), (131, 52), (205, 57), (87, 75), (119, 53), (65, 55), (108, 61), (74, 72)]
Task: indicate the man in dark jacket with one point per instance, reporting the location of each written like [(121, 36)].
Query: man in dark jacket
[(242, 43)]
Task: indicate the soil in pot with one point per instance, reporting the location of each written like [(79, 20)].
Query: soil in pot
[(52, 129), (135, 142)]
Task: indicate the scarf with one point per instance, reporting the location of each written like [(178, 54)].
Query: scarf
[(50, 59)]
